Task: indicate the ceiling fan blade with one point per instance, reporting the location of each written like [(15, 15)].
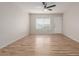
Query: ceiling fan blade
[(50, 9), (43, 3), (51, 6)]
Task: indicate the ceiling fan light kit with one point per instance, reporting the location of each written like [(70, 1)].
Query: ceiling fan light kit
[(45, 10)]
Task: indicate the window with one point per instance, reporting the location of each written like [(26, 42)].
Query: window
[(42, 23)]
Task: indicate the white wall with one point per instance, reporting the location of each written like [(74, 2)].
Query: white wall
[(71, 22), (14, 24)]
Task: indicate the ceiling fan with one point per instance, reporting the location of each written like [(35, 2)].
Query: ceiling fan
[(45, 4)]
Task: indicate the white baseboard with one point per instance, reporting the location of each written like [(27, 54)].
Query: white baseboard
[(12, 41), (72, 38)]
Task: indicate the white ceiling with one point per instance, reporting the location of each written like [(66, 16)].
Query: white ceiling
[(37, 7)]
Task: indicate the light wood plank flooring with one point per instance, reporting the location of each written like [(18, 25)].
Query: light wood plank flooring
[(42, 45)]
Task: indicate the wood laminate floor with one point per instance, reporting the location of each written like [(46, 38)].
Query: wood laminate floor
[(42, 45)]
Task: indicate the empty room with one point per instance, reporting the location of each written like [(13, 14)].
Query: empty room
[(39, 28)]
